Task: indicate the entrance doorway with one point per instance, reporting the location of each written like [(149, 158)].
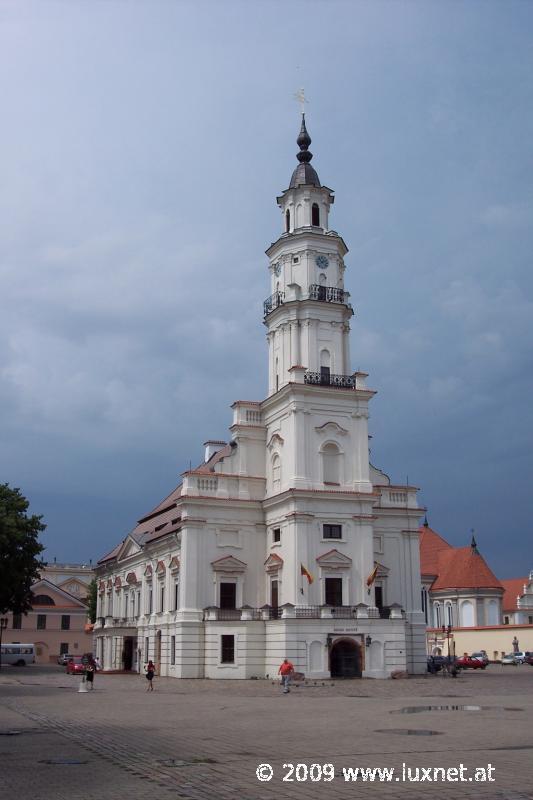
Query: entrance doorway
[(345, 659), (127, 653)]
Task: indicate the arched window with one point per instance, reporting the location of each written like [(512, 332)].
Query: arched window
[(276, 473), (437, 621), (298, 216), (493, 613), (325, 369), (315, 215), (331, 463), (467, 614), (287, 221), (448, 614), (277, 375), (43, 600)]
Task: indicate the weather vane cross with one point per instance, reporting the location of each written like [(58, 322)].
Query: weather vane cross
[(301, 98)]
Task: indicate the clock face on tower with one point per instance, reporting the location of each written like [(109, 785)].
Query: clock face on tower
[(277, 269), (322, 262)]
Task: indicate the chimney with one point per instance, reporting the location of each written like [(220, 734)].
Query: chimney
[(212, 446)]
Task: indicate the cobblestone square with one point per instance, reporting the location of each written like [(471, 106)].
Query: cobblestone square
[(205, 739)]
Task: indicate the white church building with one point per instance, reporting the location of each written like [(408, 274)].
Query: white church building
[(286, 541)]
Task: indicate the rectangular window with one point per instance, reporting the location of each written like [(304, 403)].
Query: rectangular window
[(162, 597), (378, 594), (332, 531), (63, 648), (65, 622), (228, 595), (274, 598), (150, 600), (333, 591), (176, 596), (172, 649), (146, 648), (227, 649), (506, 620), (17, 622), (276, 535), (41, 622)]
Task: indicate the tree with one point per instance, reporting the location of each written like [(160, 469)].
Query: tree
[(19, 551), (91, 600)]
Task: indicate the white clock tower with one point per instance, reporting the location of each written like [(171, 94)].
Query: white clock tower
[(308, 312)]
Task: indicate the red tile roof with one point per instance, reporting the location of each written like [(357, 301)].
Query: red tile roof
[(463, 568), (512, 588), (431, 544)]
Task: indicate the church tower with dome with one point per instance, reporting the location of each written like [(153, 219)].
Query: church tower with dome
[(285, 541)]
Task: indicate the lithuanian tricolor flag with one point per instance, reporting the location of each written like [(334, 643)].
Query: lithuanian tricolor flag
[(305, 572), (372, 577)]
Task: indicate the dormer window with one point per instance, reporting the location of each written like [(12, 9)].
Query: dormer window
[(287, 221), (315, 215)]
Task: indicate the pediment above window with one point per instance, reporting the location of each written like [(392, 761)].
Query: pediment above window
[(118, 582), (333, 559), (148, 572), (331, 428), (160, 569), (228, 564), (274, 440), (131, 578), (382, 571), (174, 564), (273, 563)]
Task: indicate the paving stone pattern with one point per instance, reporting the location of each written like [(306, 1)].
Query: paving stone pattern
[(201, 740)]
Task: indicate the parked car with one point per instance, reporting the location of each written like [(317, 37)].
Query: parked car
[(468, 662), (76, 665), (509, 659), (63, 658), (481, 656), (529, 659), (521, 656)]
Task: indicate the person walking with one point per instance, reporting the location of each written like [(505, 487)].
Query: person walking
[(90, 669), (286, 671), (150, 672)]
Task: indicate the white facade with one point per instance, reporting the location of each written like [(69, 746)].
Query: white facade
[(212, 583)]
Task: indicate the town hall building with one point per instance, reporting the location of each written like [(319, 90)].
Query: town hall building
[(285, 541)]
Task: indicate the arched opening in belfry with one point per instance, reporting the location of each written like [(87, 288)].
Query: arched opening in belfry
[(315, 215), (325, 367), (287, 221), (331, 463)]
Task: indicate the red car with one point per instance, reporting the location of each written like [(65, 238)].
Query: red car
[(467, 662), (76, 665)]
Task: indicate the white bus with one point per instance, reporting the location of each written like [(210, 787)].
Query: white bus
[(18, 654)]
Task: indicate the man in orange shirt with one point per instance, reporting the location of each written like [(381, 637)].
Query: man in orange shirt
[(286, 670)]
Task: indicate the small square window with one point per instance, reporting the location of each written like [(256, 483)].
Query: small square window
[(332, 531), (227, 649), (276, 535), (296, 259)]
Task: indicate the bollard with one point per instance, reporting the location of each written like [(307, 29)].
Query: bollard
[(83, 685)]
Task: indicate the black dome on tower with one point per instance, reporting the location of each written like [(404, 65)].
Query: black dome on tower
[(304, 174)]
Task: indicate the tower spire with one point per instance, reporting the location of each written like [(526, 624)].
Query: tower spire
[(304, 174), (303, 141)]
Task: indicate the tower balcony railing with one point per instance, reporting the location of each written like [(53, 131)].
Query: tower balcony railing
[(327, 379), (326, 294), (274, 301)]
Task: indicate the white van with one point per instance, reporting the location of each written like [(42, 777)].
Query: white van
[(18, 654)]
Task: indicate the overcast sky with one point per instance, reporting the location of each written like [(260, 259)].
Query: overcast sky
[(143, 144)]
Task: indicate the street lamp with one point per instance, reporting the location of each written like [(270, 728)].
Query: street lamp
[(3, 626)]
